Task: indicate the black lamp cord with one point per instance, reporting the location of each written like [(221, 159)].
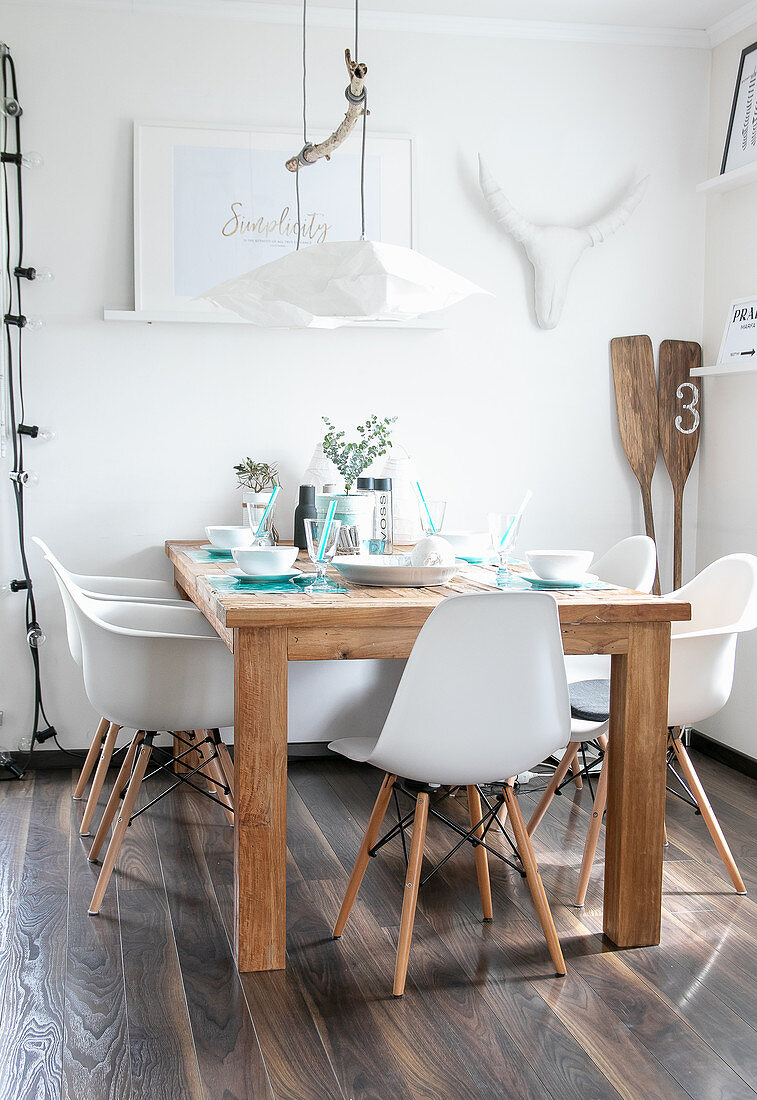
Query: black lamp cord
[(15, 383)]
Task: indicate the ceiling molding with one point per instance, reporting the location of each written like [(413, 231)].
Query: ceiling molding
[(732, 24), (410, 22)]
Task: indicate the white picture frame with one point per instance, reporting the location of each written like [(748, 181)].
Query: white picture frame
[(739, 343), (211, 202)]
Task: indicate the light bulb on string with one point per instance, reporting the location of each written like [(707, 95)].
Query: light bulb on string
[(27, 478), (34, 431), (34, 274), (32, 323), (35, 635)]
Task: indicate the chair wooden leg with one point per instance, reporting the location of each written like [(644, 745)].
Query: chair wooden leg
[(227, 766), (590, 848), (113, 802), (502, 811), (214, 768), (708, 815), (371, 835), (203, 757), (482, 859), (561, 771), (97, 783), (127, 808), (409, 901), (533, 877), (575, 769), (91, 759)]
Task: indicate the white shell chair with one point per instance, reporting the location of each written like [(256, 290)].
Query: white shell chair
[(630, 563), (483, 695), (723, 600), (137, 590), (149, 667)]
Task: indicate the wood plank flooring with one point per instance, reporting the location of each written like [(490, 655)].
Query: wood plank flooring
[(144, 1000)]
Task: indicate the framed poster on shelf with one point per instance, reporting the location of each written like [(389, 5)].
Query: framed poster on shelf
[(741, 139), (739, 344), (214, 202)]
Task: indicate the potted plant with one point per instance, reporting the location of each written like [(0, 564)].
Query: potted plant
[(257, 479), (351, 458)]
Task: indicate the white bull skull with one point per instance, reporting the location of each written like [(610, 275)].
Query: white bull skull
[(554, 250)]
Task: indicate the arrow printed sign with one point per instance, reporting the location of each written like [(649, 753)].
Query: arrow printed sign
[(739, 342)]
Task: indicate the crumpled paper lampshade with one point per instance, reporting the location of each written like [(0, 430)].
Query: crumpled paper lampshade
[(328, 285)]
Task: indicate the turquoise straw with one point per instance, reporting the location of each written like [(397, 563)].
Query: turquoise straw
[(326, 530), (423, 501), (269, 505), (516, 517)]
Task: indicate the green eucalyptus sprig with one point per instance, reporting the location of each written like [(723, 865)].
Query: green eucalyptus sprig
[(352, 458), (256, 475)]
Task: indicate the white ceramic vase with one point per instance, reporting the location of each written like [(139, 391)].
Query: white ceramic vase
[(353, 510), (401, 469)]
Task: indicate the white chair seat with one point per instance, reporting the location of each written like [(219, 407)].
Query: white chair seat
[(354, 748), (581, 730)]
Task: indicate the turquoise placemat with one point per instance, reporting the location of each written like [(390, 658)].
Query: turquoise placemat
[(516, 584), (298, 586), (206, 556)]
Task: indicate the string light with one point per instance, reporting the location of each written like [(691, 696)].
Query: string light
[(16, 324)]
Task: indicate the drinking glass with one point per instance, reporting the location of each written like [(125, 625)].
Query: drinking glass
[(432, 512), (255, 513), (322, 545), (503, 529)]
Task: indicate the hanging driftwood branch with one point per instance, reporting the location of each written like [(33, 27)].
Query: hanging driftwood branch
[(311, 153)]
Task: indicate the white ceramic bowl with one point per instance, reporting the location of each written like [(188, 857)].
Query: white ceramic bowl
[(270, 561), (559, 565), (226, 538), (469, 544)]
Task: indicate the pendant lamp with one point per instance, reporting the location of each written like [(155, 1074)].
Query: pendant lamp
[(340, 282)]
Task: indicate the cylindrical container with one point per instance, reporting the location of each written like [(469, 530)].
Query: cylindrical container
[(364, 488), (383, 524), (305, 510)]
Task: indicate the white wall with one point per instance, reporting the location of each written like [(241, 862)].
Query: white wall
[(727, 502), (150, 419)]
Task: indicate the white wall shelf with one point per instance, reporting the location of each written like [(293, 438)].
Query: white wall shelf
[(725, 368), (729, 181), (150, 317)]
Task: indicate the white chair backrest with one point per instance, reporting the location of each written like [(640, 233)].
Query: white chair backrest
[(151, 666), (483, 695), (723, 600), (72, 628), (136, 589), (630, 563)]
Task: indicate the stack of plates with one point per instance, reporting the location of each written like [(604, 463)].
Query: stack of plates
[(588, 580), (381, 572)]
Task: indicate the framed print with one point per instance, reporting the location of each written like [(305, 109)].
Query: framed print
[(739, 343), (212, 203), (741, 140)]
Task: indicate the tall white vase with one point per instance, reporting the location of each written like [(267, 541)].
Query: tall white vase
[(320, 471), (401, 469)]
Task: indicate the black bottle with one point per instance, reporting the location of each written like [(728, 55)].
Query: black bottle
[(304, 510)]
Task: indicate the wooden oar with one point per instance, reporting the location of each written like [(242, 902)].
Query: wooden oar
[(636, 400), (680, 405)]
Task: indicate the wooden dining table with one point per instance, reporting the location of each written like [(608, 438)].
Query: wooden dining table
[(266, 630)]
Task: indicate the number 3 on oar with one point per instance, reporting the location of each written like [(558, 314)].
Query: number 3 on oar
[(680, 405)]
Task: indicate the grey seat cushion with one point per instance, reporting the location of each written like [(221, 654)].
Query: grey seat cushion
[(590, 700)]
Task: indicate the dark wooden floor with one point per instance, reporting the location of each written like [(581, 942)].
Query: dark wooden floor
[(144, 1001)]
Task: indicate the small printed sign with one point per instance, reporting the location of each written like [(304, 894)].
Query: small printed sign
[(739, 346)]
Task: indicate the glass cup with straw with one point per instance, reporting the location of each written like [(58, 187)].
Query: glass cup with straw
[(260, 519), (431, 512), (504, 529), (322, 536)]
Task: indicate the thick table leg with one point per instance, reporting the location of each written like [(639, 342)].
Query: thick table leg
[(260, 782), (636, 787)]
